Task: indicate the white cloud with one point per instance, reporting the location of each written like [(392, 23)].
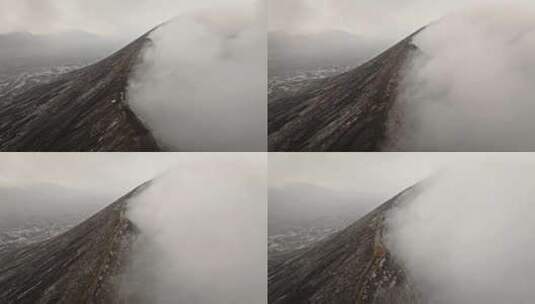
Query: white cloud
[(468, 236), (470, 87), (203, 233), (201, 85)]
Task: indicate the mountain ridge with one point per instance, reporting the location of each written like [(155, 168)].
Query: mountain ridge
[(82, 110), (352, 266), (82, 265), (346, 112)]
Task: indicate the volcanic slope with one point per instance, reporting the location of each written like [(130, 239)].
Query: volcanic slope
[(83, 110), (353, 266), (82, 265), (347, 112)]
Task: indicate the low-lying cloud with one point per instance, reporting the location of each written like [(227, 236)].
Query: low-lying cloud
[(467, 237), (201, 85), (203, 233), (470, 86)]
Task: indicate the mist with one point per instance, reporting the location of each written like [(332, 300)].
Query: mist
[(313, 195), (22, 51), (202, 233), (46, 203), (307, 205), (289, 52), (359, 17), (469, 86), (121, 19), (386, 20), (467, 235), (202, 83), (36, 186)]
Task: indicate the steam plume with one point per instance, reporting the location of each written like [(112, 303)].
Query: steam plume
[(203, 233), (202, 84), (468, 236), (470, 87)]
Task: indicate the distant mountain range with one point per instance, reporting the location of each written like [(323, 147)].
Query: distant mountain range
[(36, 212), (81, 265), (305, 205), (23, 50), (82, 110), (45, 202), (301, 52)]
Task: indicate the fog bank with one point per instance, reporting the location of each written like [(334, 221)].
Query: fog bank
[(203, 233), (202, 83), (470, 87), (468, 236)]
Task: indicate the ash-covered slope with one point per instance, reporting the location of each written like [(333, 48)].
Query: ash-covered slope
[(79, 266), (353, 266), (347, 112), (84, 110)]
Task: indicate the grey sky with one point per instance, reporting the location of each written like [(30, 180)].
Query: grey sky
[(384, 174), (109, 173), (113, 18), (384, 19)]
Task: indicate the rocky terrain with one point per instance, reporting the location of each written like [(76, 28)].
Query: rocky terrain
[(82, 110), (81, 265), (28, 233), (351, 266), (291, 83), (300, 237), (346, 112), (12, 85)]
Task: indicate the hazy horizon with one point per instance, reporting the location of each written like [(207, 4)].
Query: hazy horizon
[(365, 18), (121, 18)]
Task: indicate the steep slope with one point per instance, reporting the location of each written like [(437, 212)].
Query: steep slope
[(347, 112), (79, 266), (84, 110), (353, 266)]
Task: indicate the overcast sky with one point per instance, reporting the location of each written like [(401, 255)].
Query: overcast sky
[(379, 19), (112, 173), (125, 18), (385, 19), (382, 174), (108, 173)]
